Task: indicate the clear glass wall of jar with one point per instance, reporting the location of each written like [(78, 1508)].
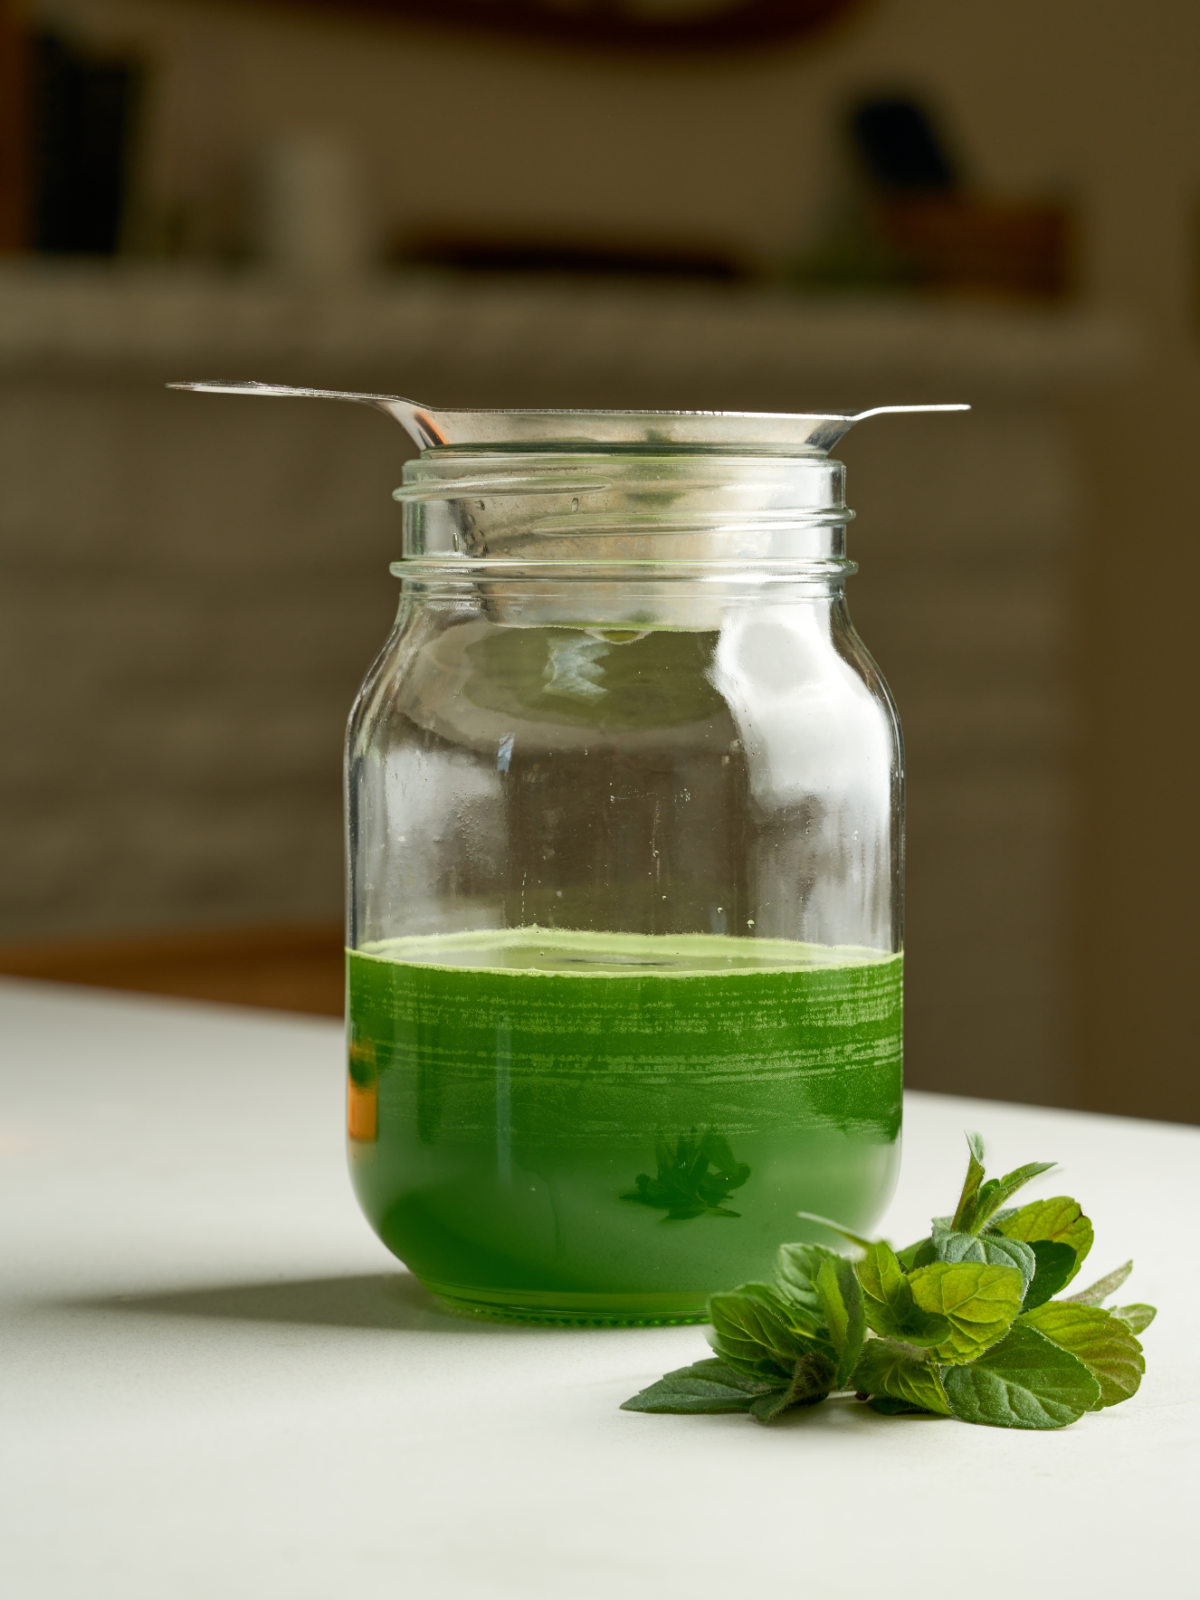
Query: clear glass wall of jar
[(625, 818)]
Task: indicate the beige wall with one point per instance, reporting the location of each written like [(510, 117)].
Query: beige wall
[(1096, 98)]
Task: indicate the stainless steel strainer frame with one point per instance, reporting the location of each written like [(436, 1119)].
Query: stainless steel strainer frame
[(799, 433)]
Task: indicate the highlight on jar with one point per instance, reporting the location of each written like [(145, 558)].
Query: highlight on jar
[(625, 821)]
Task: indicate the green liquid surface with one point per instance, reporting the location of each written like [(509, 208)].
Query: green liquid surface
[(579, 1126)]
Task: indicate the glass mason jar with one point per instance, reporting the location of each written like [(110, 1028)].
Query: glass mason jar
[(625, 817)]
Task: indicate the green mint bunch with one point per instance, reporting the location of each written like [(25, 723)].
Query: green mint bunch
[(963, 1323)]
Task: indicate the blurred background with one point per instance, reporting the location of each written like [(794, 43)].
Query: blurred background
[(760, 204)]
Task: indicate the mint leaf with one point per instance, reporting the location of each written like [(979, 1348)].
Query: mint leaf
[(889, 1305), (769, 1406), (1102, 1288), (919, 1254), (696, 1174), (881, 1276), (834, 1227), (993, 1194), (1057, 1264), (978, 1300), (1025, 1381), (841, 1299), (898, 1372), (992, 1249), (887, 1407), (964, 1212), (1105, 1344), (752, 1331), (1044, 1266), (796, 1269), (812, 1379), (1138, 1317), (709, 1387), (1056, 1221)]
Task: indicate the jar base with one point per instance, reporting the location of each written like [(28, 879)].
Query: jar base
[(570, 1310)]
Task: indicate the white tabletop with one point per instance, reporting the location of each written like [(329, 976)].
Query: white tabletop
[(214, 1382)]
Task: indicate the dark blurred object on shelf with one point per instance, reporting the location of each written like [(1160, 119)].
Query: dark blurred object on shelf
[(912, 220), (530, 253), (940, 234), (899, 149), (616, 24), (289, 967), (14, 160), (82, 111)]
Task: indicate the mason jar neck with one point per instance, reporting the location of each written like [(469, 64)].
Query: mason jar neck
[(622, 538), (663, 507)]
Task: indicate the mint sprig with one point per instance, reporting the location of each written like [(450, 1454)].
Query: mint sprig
[(696, 1175), (962, 1323)]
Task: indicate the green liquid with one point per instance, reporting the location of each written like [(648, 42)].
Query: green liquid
[(594, 1127)]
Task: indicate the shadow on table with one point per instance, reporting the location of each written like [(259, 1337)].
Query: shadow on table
[(391, 1300)]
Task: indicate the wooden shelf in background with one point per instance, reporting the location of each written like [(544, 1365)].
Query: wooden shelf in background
[(291, 967)]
